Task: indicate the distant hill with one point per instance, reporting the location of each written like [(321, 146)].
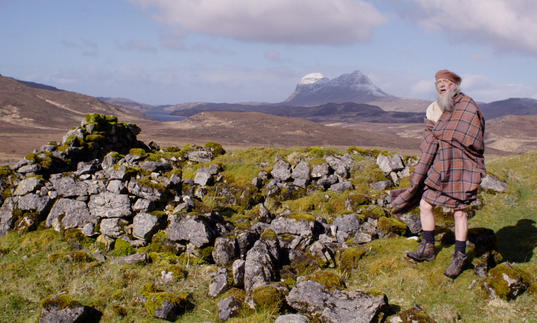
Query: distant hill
[(39, 86), (255, 128), (330, 112), (128, 103), (512, 106), (33, 105), (512, 133)]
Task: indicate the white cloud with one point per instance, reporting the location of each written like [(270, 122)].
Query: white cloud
[(423, 89), (177, 84), (275, 21), (504, 24), (483, 89)]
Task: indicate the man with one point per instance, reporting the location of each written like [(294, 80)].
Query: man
[(450, 168)]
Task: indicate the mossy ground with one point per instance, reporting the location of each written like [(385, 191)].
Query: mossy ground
[(28, 276)]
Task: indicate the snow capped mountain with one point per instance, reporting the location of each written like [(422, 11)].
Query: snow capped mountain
[(312, 78), (315, 89)]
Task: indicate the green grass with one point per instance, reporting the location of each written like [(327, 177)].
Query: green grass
[(43, 263)]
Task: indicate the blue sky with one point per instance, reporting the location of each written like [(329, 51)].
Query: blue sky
[(176, 51)]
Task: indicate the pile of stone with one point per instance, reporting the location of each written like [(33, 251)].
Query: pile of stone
[(332, 175)]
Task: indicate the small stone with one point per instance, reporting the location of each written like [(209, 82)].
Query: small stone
[(390, 164), (292, 318), (228, 307), (341, 187), (381, 185), (225, 251), (219, 283), (281, 170), (137, 258), (238, 272), (491, 183)]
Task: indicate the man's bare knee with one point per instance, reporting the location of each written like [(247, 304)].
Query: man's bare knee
[(460, 215), (425, 206)]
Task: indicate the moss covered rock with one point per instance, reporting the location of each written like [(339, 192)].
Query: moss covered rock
[(507, 281), (392, 226), (64, 309), (414, 315), (122, 248), (167, 306), (327, 278), (349, 258), (268, 296)]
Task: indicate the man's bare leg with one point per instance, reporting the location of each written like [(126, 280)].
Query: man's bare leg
[(426, 216), (461, 225)]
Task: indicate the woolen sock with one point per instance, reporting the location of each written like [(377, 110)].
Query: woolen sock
[(460, 246), (428, 236)]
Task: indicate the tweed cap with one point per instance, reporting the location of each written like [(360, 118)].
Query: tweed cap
[(448, 75)]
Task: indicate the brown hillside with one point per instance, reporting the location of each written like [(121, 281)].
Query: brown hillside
[(30, 107), (401, 104), (516, 134), (254, 128), (31, 116)]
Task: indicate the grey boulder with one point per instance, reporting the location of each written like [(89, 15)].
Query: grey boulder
[(225, 251), (200, 156), (110, 205), (197, 230), (390, 163), (491, 183), (28, 185), (283, 225), (341, 186), (67, 186), (69, 213), (336, 305), (145, 225), (219, 283), (260, 266), (228, 307), (281, 170)]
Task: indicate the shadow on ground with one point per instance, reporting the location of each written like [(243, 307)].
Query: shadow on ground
[(516, 243)]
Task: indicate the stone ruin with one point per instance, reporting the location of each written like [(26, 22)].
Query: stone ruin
[(105, 183)]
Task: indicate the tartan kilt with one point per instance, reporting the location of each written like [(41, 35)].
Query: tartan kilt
[(437, 198)]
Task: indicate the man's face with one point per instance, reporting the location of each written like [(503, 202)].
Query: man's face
[(444, 85)]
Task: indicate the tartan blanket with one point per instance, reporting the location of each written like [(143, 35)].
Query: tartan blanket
[(451, 160)]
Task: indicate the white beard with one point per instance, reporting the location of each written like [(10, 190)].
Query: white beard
[(445, 100)]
